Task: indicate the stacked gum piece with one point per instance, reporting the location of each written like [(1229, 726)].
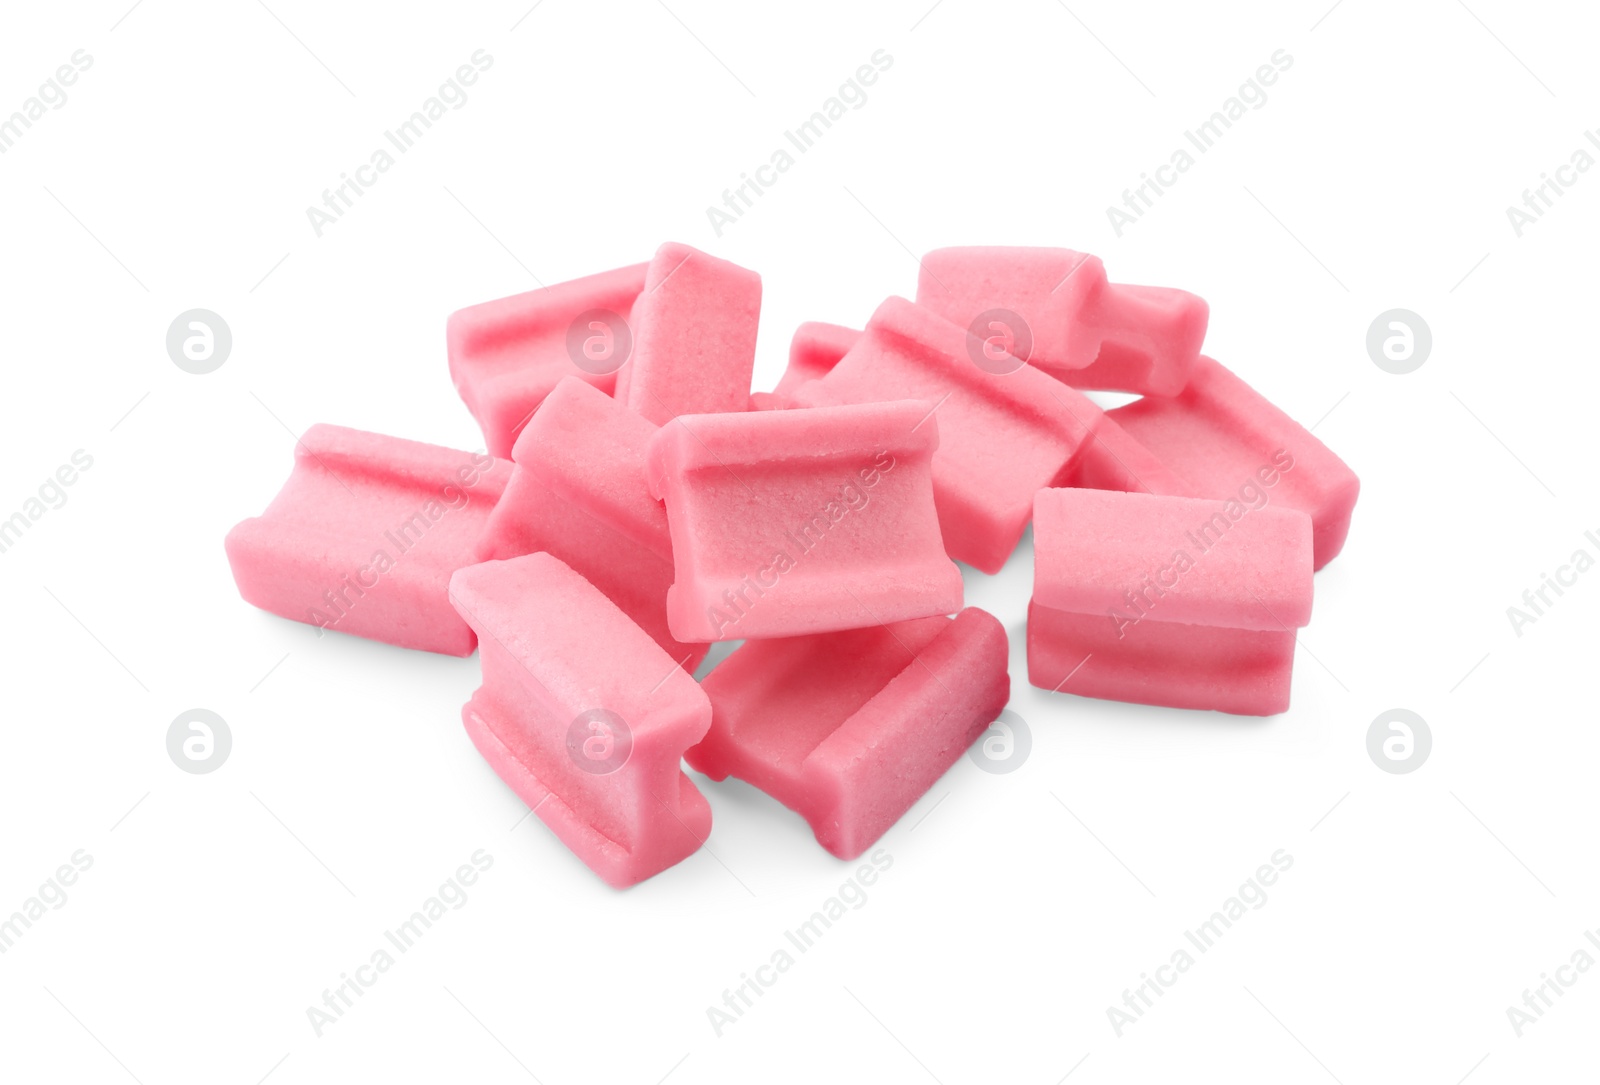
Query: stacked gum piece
[(638, 502), (1177, 601)]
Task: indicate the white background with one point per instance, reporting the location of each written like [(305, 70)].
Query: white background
[(1419, 907)]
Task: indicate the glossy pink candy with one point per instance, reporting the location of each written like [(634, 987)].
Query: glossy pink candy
[(1075, 325), (578, 491), (584, 716), (802, 521), (1114, 460), (694, 337), (851, 728), (815, 349), (1223, 438), (506, 355), (364, 535), (1005, 428), (1185, 602)]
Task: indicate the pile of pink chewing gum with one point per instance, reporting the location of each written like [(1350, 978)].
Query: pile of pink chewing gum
[(638, 503)]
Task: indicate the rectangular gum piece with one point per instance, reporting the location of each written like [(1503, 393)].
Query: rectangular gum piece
[(815, 349), (1113, 460), (851, 728), (584, 717), (506, 355), (1177, 601), (1221, 436), (801, 521), (1083, 330), (578, 491), (1006, 429), (694, 337), (1245, 672), (364, 535)]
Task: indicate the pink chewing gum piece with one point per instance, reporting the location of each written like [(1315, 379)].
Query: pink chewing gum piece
[(850, 729), (1245, 672), (1006, 429), (694, 337), (578, 491), (1078, 327), (1224, 439), (1177, 601), (1113, 460), (802, 521), (584, 716), (815, 349), (506, 355), (364, 535)]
